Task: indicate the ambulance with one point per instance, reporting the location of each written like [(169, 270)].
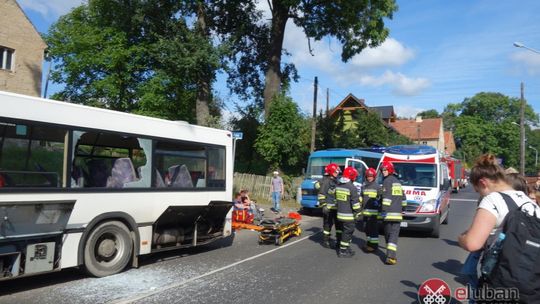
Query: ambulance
[(426, 182)]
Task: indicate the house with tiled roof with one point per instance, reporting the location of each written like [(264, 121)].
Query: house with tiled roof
[(422, 131), (386, 113), (351, 103), (449, 144), (346, 108)]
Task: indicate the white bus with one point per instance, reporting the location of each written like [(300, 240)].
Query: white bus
[(98, 188)]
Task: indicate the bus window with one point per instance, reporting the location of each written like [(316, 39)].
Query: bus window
[(108, 160), (31, 155), (216, 168), (181, 164)]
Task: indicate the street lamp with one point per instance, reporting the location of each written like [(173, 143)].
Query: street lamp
[(521, 45), (536, 157), (522, 116)]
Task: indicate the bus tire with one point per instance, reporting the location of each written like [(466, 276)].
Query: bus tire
[(108, 249)]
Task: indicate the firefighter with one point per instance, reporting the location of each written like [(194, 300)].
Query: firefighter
[(371, 201), (327, 200), (392, 200), (348, 209)]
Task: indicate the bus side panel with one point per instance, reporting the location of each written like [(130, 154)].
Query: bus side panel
[(146, 240), (70, 248)]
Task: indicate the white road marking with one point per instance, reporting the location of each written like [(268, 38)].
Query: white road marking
[(464, 200), (156, 291)]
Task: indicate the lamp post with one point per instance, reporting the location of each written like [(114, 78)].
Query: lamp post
[(522, 116), (521, 45), (535, 157)]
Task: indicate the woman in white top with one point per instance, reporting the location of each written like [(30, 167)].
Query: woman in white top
[(488, 179)]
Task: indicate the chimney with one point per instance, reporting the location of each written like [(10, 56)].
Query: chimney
[(418, 118)]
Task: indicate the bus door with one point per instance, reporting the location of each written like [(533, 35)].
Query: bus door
[(359, 165)]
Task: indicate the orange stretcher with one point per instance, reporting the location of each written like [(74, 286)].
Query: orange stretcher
[(239, 225)]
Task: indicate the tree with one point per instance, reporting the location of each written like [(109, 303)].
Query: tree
[(247, 159), (429, 114), (355, 24), (283, 139), (155, 57), (485, 123)]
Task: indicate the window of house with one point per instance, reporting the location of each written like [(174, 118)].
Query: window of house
[(6, 58)]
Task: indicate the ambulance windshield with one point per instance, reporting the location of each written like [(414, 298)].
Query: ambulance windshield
[(416, 174)]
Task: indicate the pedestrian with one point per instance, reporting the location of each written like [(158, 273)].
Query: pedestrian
[(392, 205), (277, 189), (371, 201), (516, 181), (348, 209), (490, 181), (327, 201)]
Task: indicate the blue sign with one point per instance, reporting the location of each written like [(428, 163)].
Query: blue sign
[(237, 135)]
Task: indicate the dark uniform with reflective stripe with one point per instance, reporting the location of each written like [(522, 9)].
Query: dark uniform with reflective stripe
[(371, 199), (327, 200), (392, 205), (348, 206)]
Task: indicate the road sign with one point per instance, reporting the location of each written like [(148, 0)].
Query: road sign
[(237, 135)]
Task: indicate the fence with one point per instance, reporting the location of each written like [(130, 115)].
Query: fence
[(259, 186)]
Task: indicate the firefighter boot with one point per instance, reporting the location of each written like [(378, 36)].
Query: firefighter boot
[(326, 242), (390, 261), (345, 253)]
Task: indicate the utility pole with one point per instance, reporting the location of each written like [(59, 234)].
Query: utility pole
[(314, 122), (522, 133), (327, 101)]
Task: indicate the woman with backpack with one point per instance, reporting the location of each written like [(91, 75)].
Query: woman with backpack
[(498, 199)]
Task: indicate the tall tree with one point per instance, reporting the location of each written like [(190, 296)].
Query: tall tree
[(283, 139), (486, 123), (355, 24)]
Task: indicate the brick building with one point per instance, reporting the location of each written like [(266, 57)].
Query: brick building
[(21, 51), (422, 131)]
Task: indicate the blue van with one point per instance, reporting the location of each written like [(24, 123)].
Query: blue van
[(361, 159)]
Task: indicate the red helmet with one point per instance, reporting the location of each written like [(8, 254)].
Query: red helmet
[(388, 166), (331, 168), (371, 172), (350, 173)]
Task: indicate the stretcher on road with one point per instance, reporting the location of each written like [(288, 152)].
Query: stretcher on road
[(278, 230)]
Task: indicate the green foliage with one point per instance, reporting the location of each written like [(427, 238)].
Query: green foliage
[(283, 139), (429, 114), (485, 123), (247, 159), (368, 130)]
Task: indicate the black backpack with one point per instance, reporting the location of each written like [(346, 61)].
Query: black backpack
[(518, 265)]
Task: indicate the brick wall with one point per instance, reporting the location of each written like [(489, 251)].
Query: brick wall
[(18, 33)]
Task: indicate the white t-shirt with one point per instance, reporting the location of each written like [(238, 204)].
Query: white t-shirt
[(495, 204)]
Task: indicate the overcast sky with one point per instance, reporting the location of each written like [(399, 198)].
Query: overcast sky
[(438, 52)]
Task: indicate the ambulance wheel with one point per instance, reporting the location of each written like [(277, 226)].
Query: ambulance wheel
[(445, 222), (108, 249), (436, 227)]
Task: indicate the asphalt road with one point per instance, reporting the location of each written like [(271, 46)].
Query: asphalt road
[(241, 271)]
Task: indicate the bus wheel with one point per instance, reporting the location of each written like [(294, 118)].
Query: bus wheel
[(108, 249)]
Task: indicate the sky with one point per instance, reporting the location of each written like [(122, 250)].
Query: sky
[(438, 52)]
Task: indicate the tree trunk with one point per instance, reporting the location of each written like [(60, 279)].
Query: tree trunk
[(203, 81), (272, 83)]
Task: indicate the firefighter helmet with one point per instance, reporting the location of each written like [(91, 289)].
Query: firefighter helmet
[(350, 173), (331, 168), (371, 172), (388, 166)]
